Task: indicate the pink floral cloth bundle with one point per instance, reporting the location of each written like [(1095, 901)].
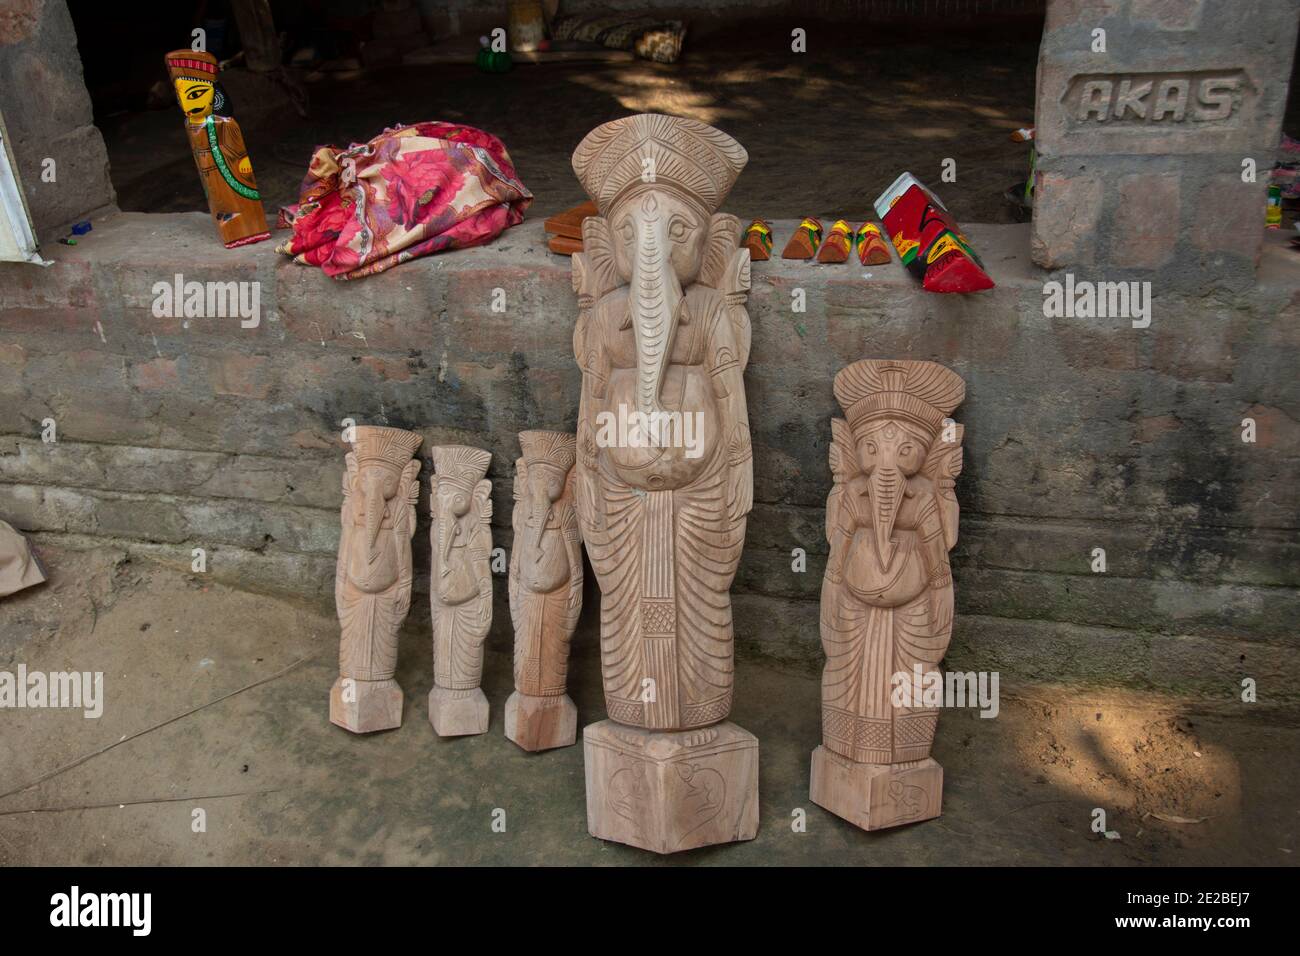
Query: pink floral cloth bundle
[(410, 191)]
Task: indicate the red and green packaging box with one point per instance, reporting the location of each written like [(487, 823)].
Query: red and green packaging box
[(928, 240)]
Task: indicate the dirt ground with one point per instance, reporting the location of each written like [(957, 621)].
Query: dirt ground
[(826, 130), (217, 700)]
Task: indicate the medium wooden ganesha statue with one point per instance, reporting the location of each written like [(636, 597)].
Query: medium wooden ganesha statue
[(664, 479), (460, 587), (372, 587), (545, 592), (887, 598)]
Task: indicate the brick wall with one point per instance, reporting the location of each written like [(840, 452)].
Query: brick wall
[(182, 433), (47, 113), (1141, 145)]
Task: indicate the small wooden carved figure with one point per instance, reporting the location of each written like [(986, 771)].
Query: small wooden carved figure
[(460, 591), (218, 145), (545, 592), (887, 600), (372, 587), (665, 479)]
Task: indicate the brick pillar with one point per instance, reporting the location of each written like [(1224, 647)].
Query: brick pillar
[(1141, 147), (47, 111)]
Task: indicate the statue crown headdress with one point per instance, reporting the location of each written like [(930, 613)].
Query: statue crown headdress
[(550, 448), (923, 393), (461, 463), (394, 446), (689, 157), (199, 65)]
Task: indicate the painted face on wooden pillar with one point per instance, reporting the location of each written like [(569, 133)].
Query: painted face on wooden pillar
[(195, 97)]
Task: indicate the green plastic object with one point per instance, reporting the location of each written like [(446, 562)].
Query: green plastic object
[(491, 62)]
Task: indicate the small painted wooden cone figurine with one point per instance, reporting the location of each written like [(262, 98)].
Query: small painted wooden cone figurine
[(545, 592), (219, 151), (887, 599), (665, 479), (372, 587), (460, 589)]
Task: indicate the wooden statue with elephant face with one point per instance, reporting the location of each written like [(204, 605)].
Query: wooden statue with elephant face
[(545, 592), (887, 599), (372, 586), (664, 479), (460, 587)]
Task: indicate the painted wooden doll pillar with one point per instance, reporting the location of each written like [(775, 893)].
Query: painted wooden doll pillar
[(372, 586), (460, 590), (887, 598), (665, 479), (545, 592), (219, 151)]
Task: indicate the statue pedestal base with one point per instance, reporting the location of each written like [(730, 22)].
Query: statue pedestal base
[(541, 723), (374, 705), (874, 796), (458, 713), (671, 791)]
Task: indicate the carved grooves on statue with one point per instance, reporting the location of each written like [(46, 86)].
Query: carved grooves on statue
[(886, 607), (662, 325)]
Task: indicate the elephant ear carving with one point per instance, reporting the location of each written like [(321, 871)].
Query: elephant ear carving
[(408, 493), (580, 275), (571, 512), (483, 500), (578, 272), (412, 486), (844, 468), (350, 475), (942, 466), (521, 479), (517, 525), (843, 452), (735, 287), (600, 271), (724, 237)]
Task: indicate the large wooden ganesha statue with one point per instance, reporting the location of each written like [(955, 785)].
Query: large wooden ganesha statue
[(665, 479), (887, 599)]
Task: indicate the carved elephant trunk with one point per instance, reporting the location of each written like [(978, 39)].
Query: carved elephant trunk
[(655, 298)]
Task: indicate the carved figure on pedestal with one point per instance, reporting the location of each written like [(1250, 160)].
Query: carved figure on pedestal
[(545, 592), (664, 478), (460, 589), (887, 597), (372, 587)]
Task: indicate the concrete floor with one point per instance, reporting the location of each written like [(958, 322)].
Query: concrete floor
[(216, 699)]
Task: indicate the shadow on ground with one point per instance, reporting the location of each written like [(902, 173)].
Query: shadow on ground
[(216, 700)]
